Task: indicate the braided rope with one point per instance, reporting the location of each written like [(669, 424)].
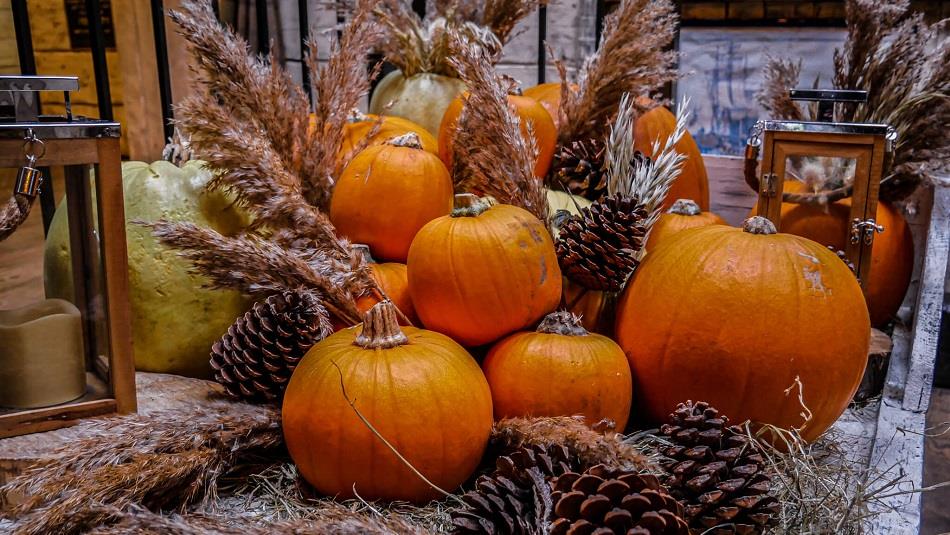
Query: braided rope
[(14, 213)]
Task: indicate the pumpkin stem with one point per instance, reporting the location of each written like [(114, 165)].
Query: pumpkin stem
[(356, 116), (361, 250), (759, 225), (562, 322), (469, 205), (685, 207), (409, 139), (380, 328)]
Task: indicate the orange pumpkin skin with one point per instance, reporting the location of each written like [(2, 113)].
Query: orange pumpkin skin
[(680, 217), (355, 131), (428, 398), (590, 371), (527, 109), (549, 96), (479, 277), (394, 281), (595, 308), (386, 194), (892, 256), (692, 183), (732, 318)]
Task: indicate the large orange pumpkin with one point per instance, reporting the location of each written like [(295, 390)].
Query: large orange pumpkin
[(736, 317), (684, 214), (892, 255), (590, 371), (692, 183), (421, 391), (359, 126), (527, 109), (483, 272), (387, 193), (549, 96)]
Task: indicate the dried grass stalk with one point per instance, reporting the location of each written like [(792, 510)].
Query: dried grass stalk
[(780, 76), (499, 16), (633, 57), (490, 152), (904, 65), (601, 446), (161, 461)]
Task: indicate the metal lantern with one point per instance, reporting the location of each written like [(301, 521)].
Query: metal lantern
[(863, 146), (61, 361)]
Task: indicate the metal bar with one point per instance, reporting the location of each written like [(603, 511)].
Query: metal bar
[(99, 65), (303, 16), (31, 82), (161, 62), (419, 6), (542, 37), (24, 48), (263, 31), (600, 12)]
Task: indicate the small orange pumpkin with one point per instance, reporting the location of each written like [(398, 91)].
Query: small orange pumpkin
[(737, 316), (684, 214), (590, 371), (483, 272), (892, 256), (549, 96), (527, 109), (387, 193), (595, 308), (392, 280), (420, 390), (692, 183), (360, 125)]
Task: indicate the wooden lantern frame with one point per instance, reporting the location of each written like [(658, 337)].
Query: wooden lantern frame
[(866, 144), (76, 145)]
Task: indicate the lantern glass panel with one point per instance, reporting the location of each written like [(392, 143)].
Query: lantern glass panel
[(819, 174)]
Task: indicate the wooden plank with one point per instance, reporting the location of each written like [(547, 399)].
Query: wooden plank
[(729, 195), (58, 152), (898, 451), (39, 420)]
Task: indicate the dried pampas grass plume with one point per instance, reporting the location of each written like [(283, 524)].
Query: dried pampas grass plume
[(490, 152), (499, 16), (633, 57)]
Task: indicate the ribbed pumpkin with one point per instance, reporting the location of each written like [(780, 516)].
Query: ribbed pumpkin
[(549, 96), (420, 390), (561, 201), (733, 316), (684, 214), (692, 183), (393, 280), (421, 98), (483, 272), (360, 125), (595, 308), (892, 256), (527, 109), (559, 370), (387, 193)]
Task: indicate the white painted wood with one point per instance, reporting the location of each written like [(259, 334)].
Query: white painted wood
[(899, 452)]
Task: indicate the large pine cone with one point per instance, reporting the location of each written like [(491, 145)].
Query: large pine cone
[(603, 501), (580, 168), (255, 358), (505, 502), (599, 248), (716, 472)]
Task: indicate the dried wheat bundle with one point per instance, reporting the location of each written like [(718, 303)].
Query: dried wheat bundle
[(904, 65), (159, 461), (490, 152), (633, 57), (500, 16), (418, 46), (601, 445)]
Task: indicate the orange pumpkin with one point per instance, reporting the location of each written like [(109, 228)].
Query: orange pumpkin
[(549, 96), (892, 256), (483, 272), (692, 183), (527, 109), (421, 391), (595, 308), (684, 214), (590, 371), (392, 280), (737, 316), (387, 193), (359, 126)]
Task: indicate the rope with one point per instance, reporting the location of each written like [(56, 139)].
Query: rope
[(14, 213), (819, 199)]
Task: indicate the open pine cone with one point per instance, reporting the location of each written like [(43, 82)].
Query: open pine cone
[(599, 248), (505, 502), (580, 168), (603, 501), (255, 358), (716, 472)]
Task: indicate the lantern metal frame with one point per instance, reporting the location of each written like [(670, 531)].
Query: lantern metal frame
[(99, 257)]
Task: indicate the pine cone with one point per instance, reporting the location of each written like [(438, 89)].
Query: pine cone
[(603, 501), (716, 472), (598, 249), (580, 168), (255, 358), (504, 503)]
